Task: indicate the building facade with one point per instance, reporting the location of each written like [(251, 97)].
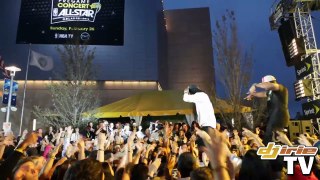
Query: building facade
[(189, 50), (171, 47)]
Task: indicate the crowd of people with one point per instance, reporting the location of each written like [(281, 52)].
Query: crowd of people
[(165, 150), (203, 150)]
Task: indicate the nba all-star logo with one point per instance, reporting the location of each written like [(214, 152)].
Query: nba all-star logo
[(74, 10)]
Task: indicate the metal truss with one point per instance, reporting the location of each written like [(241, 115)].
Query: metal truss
[(304, 28)]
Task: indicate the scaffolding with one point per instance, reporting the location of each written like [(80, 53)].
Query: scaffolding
[(300, 11)]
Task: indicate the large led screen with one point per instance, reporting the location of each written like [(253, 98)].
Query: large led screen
[(95, 22)]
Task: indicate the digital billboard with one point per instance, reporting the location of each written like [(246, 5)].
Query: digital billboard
[(95, 22)]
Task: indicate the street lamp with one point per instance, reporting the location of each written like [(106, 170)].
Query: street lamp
[(13, 71)]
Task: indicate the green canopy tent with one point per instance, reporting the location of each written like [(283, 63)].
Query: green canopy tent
[(154, 103)]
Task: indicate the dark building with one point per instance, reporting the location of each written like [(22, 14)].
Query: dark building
[(189, 50)]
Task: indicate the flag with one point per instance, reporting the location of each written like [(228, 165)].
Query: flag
[(5, 72), (45, 63)]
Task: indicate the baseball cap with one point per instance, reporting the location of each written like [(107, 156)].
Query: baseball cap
[(268, 78)]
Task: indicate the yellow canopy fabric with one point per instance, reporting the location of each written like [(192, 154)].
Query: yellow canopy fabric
[(153, 103)]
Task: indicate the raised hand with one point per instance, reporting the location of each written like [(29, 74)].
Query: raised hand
[(249, 97), (55, 151), (30, 140), (248, 133), (252, 135), (131, 137), (252, 89), (167, 129), (174, 147), (153, 167), (304, 140), (81, 143), (283, 138), (101, 140), (205, 136), (139, 146)]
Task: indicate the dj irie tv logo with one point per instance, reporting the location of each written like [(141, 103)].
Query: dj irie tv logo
[(74, 10), (291, 155)]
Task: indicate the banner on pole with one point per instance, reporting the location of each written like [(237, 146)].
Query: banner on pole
[(6, 91)]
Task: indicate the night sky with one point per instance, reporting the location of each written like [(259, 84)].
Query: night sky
[(254, 31)]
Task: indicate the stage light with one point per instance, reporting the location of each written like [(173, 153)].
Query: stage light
[(303, 88), (293, 48)]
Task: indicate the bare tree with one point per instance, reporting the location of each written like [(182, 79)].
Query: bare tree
[(234, 65), (74, 96)]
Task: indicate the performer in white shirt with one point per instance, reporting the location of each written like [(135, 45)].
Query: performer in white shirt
[(205, 111)]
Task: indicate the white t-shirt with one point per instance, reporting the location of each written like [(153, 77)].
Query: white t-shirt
[(204, 108)]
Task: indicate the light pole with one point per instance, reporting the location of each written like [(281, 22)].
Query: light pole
[(13, 71)]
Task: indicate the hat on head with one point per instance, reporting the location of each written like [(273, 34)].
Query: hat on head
[(194, 89), (268, 78)]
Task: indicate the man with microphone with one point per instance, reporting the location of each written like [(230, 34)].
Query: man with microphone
[(277, 105)]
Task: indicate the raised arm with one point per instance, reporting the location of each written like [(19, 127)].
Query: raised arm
[(268, 86)]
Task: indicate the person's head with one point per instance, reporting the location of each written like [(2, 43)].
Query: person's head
[(147, 131), (108, 171), (244, 140), (119, 173), (185, 127), (269, 78), (108, 156), (60, 170), (171, 126), (235, 131), (85, 169), (39, 131), (235, 150), (194, 89), (25, 132), (39, 162), (186, 163), (202, 173), (126, 127), (117, 148), (101, 124), (254, 168), (181, 133), (194, 125), (50, 128), (117, 126), (25, 169), (111, 125), (77, 130), (176, 126), (184, 147), (90, 124), (139, 172)]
